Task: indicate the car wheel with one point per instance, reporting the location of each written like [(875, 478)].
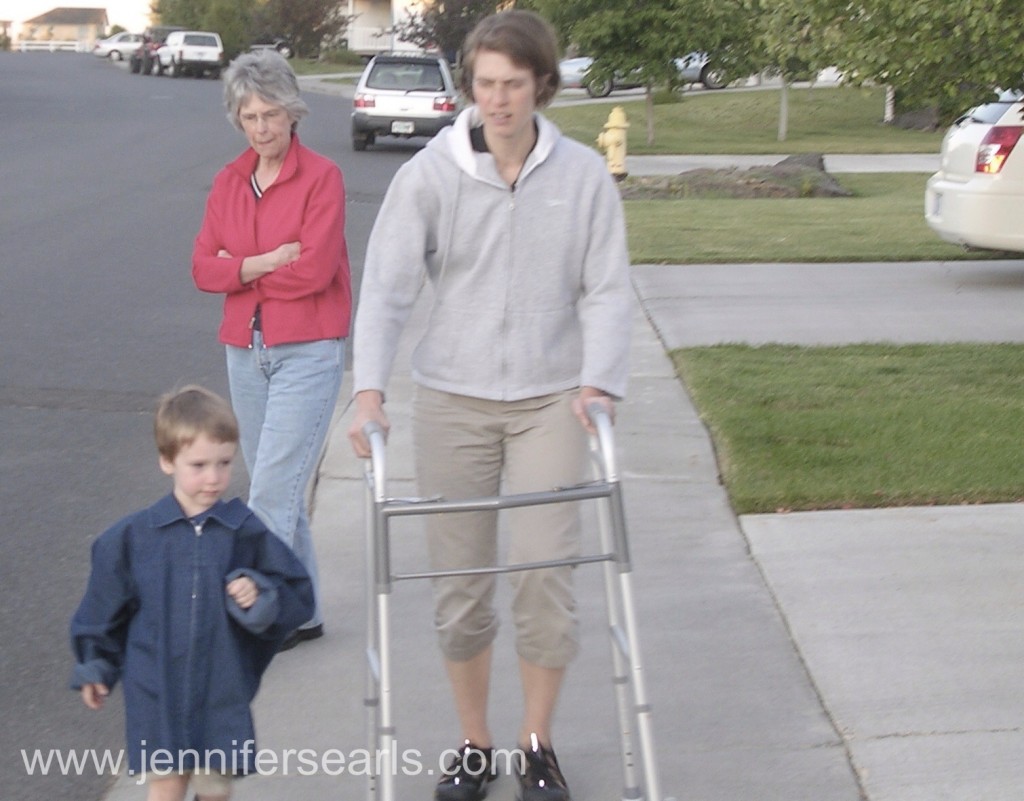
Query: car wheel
[(360, 141), (713, 78), (215, 73), (285, 50), (598, 88), (114, 55)]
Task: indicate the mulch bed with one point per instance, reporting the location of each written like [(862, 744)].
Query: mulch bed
[(803, 175)]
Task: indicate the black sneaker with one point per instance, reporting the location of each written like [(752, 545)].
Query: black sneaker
[(467, 775), (540, 778)]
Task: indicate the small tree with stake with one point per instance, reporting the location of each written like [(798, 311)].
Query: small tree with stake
[(444, 25), (643, 38)]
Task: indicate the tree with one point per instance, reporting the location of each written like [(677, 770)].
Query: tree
[(308, 25), (444, 25), (791, 36), (232, 19), (945, 53), (187, 13), (643, 37), (305, 24)]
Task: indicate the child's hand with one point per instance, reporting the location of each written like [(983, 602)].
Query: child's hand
[(93, 695), (243, 590)]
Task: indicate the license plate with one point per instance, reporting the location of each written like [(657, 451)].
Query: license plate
[(402, 127)]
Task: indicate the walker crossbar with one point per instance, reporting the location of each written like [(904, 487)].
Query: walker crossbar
[(628, 676)]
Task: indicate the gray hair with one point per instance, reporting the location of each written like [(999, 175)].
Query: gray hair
[(267, 75)]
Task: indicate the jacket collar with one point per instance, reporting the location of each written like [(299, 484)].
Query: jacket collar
[(244, 165), (481, 165), (167, 511)]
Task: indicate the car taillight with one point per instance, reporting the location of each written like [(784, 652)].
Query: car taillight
[(444, 104), (996, 146), (364, 101)]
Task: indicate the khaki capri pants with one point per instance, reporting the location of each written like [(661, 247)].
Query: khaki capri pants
[(471, 448)]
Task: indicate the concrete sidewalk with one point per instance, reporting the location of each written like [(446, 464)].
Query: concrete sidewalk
[(832, 656)]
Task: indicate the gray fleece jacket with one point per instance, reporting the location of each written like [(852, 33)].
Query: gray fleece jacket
[(531, 287)]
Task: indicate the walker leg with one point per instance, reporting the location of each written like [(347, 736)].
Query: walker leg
[(628, 672), (620, 667), (372, 697)]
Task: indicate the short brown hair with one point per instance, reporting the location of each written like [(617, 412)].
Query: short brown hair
[(526, 38), (183, 415)]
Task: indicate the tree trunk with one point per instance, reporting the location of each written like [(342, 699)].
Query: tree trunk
[(890, 104), (784, 110), (649, 105)]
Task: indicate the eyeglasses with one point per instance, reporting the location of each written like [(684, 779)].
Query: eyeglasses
[(251, 119)]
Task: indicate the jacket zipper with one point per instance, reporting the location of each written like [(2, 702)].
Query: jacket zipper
[(509, 260), (192, 624)]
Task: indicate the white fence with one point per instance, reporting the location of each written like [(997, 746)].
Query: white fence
[(54, 46)]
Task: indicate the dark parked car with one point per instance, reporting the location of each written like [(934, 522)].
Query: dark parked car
[(143, 61), (278, 43)]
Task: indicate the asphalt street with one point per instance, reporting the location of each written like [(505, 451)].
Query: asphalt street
[(104, 175)]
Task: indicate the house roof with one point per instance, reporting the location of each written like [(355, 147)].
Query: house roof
[(71, 16)]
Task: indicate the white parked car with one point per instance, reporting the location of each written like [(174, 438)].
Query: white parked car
[(119, 46), (976, 197), (403, 94), (190, 53)]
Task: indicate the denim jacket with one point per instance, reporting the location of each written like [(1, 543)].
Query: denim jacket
[(156, 615)]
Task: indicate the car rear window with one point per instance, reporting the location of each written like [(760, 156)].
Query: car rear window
[(989, 113), (199, 40), (406, 77)]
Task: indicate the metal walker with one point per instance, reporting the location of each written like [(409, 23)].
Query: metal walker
[(640, 776)]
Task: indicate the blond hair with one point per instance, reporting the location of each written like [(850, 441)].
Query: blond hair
[(183, 415)]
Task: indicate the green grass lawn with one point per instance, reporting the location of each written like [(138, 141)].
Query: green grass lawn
[(799, 428), (860, 426), (821, 120), (883, 221)]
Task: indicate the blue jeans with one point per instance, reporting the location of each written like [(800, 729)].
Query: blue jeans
[(284, 397)]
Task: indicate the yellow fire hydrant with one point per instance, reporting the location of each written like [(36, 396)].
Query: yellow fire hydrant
[(613, 142)]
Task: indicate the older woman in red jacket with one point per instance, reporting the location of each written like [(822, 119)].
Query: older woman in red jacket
[(272, 241)]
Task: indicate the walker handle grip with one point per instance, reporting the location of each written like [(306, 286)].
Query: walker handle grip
[(597, 413), (602, 422), (377, 466)]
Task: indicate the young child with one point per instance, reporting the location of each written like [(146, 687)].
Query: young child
[(187, 602)]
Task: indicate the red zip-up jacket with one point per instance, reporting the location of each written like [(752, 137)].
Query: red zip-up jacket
[(306, 300)]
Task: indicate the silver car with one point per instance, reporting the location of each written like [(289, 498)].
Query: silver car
[(403, 95), (119, 46), (693, 68)]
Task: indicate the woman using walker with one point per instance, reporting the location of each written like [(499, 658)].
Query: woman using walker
[(520, 232)]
